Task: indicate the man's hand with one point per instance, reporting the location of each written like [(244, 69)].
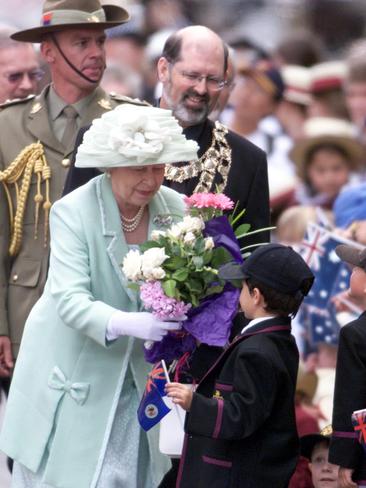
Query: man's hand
[(180, 394), (345, 478), (6, 357)]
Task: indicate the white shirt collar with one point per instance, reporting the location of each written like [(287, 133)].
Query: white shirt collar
[(256, 321)]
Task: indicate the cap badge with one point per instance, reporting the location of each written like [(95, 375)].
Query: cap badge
[(93, 18)]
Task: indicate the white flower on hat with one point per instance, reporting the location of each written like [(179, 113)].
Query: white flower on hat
[(132, 265), (140, 137)]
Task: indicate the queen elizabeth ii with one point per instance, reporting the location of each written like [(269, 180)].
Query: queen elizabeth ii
[(71, 416)]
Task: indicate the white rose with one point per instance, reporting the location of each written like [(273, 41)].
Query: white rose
[(192, 224), (155, 234), (151, 259), (189, 238), (209, 243), (132, 265), (175, 231), (158, 273)]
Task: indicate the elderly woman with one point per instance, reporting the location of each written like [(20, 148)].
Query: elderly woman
[(71, 420)]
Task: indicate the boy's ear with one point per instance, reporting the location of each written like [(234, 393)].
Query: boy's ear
[(257, 296)]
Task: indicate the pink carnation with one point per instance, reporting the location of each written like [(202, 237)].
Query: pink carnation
[(163, 307), (209, 200)]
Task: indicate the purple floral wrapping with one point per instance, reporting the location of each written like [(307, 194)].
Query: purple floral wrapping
[(211, 321)]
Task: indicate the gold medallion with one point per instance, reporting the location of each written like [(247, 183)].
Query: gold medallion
[(216, 161)]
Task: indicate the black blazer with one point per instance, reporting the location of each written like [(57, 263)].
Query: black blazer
[(349, 395), (241, 429), (247, 181)]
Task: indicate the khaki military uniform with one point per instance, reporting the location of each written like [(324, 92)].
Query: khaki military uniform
[(22, 277)]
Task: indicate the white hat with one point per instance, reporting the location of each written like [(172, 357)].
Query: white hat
[(327, 76), (297, 84), (132, 135)]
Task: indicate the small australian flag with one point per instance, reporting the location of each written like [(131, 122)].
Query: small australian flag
[(318, 314)]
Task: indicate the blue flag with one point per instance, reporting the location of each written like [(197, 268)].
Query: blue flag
[(152, 407), (318, 314)]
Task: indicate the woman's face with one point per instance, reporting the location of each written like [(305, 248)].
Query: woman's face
[(328, 171), (135, 186)]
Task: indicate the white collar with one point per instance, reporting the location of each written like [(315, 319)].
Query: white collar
[(255, 322)]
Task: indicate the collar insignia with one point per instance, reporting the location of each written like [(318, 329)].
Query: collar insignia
[(104, 103), (36, 108)]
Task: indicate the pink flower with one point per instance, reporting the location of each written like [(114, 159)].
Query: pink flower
[(209, 200), (154, 299)]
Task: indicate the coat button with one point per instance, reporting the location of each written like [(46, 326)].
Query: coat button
[(15, 277), (65, 163)]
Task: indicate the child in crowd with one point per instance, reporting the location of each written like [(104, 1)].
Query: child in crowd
[(241, 429), (325, 159), (315, 448), (350, 382)]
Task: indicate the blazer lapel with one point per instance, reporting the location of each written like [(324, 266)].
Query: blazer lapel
[(38, 123), (112, 231)]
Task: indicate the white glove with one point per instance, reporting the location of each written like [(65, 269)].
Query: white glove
[(142, 325)]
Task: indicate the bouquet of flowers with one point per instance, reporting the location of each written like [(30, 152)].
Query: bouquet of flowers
[(176, 273)]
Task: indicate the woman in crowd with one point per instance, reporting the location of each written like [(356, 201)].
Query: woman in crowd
[(71, 419)]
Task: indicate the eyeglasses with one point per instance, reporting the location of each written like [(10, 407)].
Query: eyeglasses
[(214, 84), (34, 75)]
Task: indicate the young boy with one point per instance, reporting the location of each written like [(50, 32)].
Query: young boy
[(350, 382), (241, 429), (315, 447)]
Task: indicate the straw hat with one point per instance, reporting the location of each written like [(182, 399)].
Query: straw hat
[(59, 15), (327, 130), (327, 76), (297, 84), (132, 135)]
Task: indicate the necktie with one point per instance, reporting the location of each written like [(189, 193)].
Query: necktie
[(71, 127)]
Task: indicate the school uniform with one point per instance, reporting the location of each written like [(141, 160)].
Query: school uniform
[(241, 429), (349, 395)]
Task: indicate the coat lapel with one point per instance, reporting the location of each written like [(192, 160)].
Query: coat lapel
[(38, 123), (112, 231)]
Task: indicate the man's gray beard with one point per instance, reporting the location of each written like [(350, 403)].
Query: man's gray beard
[(186, 116)]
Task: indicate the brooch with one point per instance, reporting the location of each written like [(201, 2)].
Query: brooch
[(163, 220)]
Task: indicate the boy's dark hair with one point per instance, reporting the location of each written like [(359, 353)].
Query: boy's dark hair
[(278, 303)]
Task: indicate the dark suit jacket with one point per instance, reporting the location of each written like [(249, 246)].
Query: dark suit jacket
[(247, 181), (241, 429), (349, 395)]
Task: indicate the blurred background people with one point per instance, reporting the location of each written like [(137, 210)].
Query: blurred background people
[(325, 158), (20, 70)]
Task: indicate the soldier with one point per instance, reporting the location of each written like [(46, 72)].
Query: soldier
[(36, 140)]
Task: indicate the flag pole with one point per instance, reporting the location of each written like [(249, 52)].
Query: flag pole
[(178, 410)]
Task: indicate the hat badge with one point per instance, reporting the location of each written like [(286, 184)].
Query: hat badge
[(93, 18)]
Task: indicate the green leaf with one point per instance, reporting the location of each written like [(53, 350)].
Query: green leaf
[(134, 286), (149, 245), (169, 287), (174, 263), (198, 262), (214, 289), (199, 246), (220, 257), (242, 230), (180, 274)]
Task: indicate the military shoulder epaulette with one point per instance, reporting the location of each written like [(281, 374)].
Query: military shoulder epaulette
[(123, 98), (16, 101)]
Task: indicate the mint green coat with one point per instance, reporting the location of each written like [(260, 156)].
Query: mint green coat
[(67, 380)]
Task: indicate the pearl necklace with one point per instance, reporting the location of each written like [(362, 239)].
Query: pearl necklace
[(129, 225)]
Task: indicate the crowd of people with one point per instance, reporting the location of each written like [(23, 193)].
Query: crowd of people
[(104, 128)]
